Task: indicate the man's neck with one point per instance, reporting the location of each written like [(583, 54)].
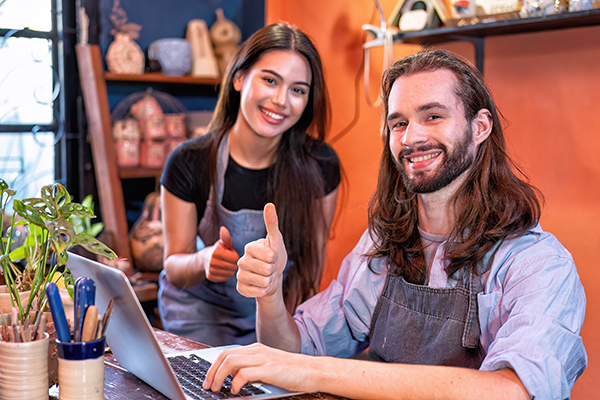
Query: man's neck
[(436, 214)]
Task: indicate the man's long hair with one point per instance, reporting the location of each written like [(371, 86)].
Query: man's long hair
[(297, 181), (491, 205)]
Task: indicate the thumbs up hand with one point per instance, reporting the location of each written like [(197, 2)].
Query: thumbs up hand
[(261, 267), (223, 259)]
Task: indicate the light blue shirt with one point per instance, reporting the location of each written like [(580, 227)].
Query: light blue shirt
[(530, 311)]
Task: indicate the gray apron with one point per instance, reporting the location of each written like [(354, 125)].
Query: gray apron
[(215, 313), (416, 324)]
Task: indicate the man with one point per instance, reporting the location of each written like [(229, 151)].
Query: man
[(455, 288)]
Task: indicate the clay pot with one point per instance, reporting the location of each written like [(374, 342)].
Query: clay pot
[(24, 370)]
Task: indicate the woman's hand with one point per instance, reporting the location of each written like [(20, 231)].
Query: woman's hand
[(260, 363), (222, 264), (263, 262)]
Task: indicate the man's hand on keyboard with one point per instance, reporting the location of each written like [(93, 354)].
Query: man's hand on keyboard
[(260, 363)]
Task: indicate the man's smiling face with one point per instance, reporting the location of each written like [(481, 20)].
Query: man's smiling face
[(430, 138)]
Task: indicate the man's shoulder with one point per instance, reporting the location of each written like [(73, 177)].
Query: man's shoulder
[(533, 252), (536, 240)]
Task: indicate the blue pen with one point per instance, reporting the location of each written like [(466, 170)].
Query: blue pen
[(58, 312), (85, 296)]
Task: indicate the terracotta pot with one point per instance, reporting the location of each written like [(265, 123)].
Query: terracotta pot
[(24, 370), (5, 302)]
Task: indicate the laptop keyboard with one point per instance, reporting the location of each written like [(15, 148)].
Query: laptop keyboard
[(191, 371)]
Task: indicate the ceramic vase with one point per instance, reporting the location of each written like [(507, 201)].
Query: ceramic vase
[(24, 370), (125, 56)]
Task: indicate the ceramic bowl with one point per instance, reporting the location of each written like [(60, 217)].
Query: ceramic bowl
[(174, 55)]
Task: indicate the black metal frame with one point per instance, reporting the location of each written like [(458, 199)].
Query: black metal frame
[(63, 38)]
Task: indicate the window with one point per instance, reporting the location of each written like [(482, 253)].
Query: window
[(31, 123)]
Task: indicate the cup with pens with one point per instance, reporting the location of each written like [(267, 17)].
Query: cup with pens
[(81, 355)]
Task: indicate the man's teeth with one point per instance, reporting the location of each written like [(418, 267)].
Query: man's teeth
[(272, 115), (423, 158)]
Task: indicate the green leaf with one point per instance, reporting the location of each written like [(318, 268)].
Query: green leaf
[(17, 254), (88, 201), (29, 212), (96, 228), (94, 245), (76, 209), (61, 234), (54, 196)]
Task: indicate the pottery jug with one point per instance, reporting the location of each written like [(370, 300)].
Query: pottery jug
[(124, 56)]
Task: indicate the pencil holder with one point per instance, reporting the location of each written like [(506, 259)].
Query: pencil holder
[(81, 370)]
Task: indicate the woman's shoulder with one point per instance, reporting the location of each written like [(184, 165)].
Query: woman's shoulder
[(322, 150), (199, 144), (329, 164), (187, 162)]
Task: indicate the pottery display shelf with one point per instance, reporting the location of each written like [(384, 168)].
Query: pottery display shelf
[(154, 77)]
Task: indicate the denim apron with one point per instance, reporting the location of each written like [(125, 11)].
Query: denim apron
[(416, 324), (215, 313)]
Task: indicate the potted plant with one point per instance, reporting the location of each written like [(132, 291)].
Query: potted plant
[(33, 252), (49, 233)]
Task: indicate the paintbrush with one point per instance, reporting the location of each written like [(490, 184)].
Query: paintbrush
[(106, 316)]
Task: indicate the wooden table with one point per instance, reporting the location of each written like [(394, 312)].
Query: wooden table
[(122, 384)]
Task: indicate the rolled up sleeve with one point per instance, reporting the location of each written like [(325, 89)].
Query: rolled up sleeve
[(336, 322), (531, 315)]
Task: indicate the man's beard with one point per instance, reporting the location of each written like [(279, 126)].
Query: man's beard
[(455, 163)]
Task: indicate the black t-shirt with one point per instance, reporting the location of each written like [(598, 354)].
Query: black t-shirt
[(186, 175)]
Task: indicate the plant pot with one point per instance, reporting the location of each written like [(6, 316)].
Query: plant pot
[(5, 303), (24, 370), (52, 357)]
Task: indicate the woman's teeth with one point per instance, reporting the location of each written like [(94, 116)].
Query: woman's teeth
[(272, 115)]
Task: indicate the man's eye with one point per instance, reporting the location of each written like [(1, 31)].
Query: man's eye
[(397, 125), (435, 116)]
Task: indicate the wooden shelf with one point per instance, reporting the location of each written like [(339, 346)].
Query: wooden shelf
[(476, 33), (139, 172), (154, 77), (504, 27)]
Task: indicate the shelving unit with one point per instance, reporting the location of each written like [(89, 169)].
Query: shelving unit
[(477, 32), (108, 174)]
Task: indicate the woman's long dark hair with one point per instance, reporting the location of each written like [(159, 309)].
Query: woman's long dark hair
[(492, 204), (297, 183)]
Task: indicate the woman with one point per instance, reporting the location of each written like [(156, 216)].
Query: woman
[(266, 144)]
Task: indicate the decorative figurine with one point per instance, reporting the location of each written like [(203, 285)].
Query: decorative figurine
[(225, 37), (124, 55), (204, 63)]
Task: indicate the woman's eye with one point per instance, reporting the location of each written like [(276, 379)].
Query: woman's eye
[(299, 91), (269, 80)]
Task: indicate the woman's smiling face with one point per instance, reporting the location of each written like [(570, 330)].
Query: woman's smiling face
[(273, 92)]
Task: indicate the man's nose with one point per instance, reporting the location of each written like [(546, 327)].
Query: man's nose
[(413, 134)]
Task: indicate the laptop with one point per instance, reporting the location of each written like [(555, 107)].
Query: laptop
[(134, 344)]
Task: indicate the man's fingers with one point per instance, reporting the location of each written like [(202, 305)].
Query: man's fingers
[(272, 225)]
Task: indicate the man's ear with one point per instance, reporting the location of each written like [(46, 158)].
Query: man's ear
[(238, 80), (482, 125)]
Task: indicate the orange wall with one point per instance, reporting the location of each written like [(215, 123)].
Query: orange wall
[(547, 86)]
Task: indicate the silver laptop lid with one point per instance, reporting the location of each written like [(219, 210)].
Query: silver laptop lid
[(131, 337)]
